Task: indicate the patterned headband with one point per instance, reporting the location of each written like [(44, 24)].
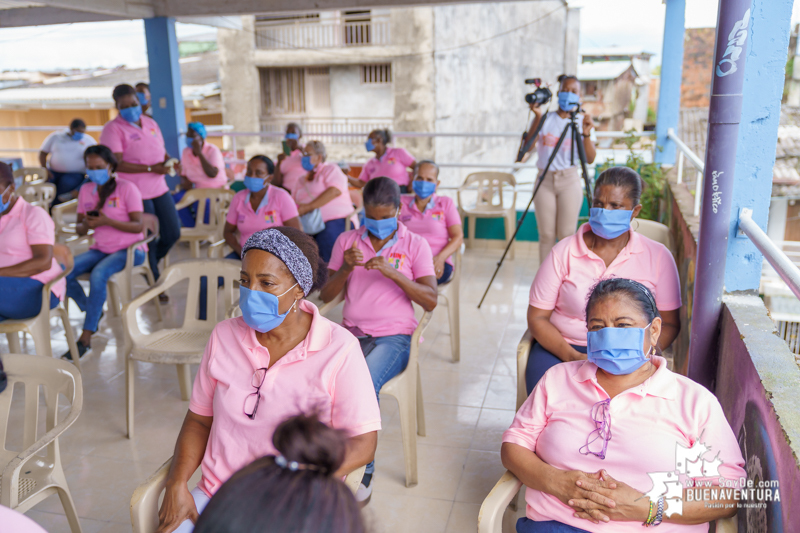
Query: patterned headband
[(279, 245)]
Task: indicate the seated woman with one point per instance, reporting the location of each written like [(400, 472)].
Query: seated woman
[(389, 161), (433, 217), (112, 207), (382, 267), (324, 187), (305, 472), (560, 444), (290, 169), (280, 354), (27, 234), (202, 167), (606, 247), (259, 206)]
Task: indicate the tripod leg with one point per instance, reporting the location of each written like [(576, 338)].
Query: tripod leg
[(584, 166)]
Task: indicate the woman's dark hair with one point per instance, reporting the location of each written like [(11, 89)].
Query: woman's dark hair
[(264, 497), (266, 160), (564, 78), (624, 177), (105, 190), (77, 123), (630, 290), (382, 191), (307, 245), (296, 126), (143, 84), (122, 90), (385, 135), (6, 176)]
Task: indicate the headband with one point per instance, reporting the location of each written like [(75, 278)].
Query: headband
[(279, 245)]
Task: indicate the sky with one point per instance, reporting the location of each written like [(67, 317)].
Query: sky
[(109, 44)]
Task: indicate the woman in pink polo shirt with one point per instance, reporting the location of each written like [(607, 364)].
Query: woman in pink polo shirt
[(324, 187), (259, 206), (606, 247), (289, 169), (595, 437), (27, 234), (389, 161), (382, 268), (138, 146), (433, 217), (202, 167), (112, 207), (281, 355)]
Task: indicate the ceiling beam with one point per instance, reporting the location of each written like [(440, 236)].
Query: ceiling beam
[(43, 16), (124, 9)]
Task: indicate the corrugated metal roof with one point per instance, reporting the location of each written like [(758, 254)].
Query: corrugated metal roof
[(602, 70), (68, 97), (614, 51)]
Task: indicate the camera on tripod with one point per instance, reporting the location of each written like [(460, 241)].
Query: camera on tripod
[(541, 95)]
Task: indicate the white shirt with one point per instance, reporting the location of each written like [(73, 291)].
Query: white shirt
[(548, 137), (66, 155)]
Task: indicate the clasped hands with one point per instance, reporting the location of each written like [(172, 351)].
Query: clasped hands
[(353, 257), (598, 497)]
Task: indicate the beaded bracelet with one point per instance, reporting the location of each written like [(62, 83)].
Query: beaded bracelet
[(660, 512), (651, 514)]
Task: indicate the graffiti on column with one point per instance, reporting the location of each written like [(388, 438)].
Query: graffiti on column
[(736, 40), (716, 196)]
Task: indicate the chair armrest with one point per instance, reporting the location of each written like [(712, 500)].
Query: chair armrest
[(332, 304), (188, 199), (131, 251), (490, 516), (144, 502), (523, 350), (217, 250), (130, 325), (353, 479), (420, 329)]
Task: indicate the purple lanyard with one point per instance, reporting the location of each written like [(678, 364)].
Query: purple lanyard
[(602, 420)]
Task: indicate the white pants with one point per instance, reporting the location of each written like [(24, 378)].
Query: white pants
[(200, 501), (558, 204)]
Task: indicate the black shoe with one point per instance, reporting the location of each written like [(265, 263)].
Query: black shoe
[(82, 349)]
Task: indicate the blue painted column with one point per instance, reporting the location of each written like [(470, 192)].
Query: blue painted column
[(758, 135), (165, 82), (669, 94)]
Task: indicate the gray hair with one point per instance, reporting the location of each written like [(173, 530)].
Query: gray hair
[(426, 162), (318, 147)]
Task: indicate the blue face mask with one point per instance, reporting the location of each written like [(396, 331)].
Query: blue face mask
[(4, 205), (189, 141), (609, 223), (292, 136), (381, 228), (306, 163), (370, 147), (260, 309), (131, 114), (423, 189), (99, 176), (142, 98), (77, 136), (567, 101), (254, 184), (618, 351)]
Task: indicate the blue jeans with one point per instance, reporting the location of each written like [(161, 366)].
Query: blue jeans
[(66, 182), (448, 272), (162, 207), (21, 298), (526, 525), (102, 267), (202, 312), (539, 362), (327, 237), (386, 358), (187, 215)]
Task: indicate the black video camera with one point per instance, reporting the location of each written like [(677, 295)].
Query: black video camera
[(541, 95)]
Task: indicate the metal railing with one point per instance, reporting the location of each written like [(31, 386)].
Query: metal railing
[(778, 260), (323, 34), (684, 152), (349, 130)]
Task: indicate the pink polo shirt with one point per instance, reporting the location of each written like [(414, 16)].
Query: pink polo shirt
[(565, 279), (125, 199), (278, 208), (393, 164), (22, 227), (143, 146), (433, 224), (373, 302), (648, 422), (18, 522), (193, 168), (326, 373), (327, 175), (292, 170)]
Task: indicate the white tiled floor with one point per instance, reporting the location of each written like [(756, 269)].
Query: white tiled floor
[(467, 407)]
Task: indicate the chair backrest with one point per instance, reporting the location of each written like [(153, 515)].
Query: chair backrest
[(490, 190), (65, 228), (30, 174), (218, 205), (38, 193), (652, 230)]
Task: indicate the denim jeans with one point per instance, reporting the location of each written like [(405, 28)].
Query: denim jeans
[(21, 298), (539, 362), (386, 358), (66, 182), (526, 525), (187, 215), (327, 237), (162, 207), (102, 266), (446, 275)]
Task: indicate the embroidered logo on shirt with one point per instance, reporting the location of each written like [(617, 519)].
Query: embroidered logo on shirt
[(136, 137), (437, 215), (396, 260), (269, 217), (391, 160), (112, 202), (153, 132), (88, 205)]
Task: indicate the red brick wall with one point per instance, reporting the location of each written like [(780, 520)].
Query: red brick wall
[(698, 57)]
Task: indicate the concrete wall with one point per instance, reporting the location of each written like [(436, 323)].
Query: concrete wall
[(239, 80), (351, 98)]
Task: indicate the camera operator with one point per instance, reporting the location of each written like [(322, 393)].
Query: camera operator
[(558, 202)]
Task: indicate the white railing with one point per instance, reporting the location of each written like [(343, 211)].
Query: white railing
[(348, 130), (778, 260), (686, 152), (323, 34)]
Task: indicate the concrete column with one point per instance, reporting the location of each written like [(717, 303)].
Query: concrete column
[(758, 135), (239, 80), (572, 28), (165, 81), (669, 96)]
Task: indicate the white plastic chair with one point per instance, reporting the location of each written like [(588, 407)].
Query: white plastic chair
[(406, 388), (220, 201), (65, 216), (38, 327), (653, 230), (449, 293), (38, 193), (30, 174), (144, 502), (28, 477), (184, 345), (491, 202)]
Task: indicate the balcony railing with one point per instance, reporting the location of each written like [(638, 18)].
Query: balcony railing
[(323, 34), (349, 130)]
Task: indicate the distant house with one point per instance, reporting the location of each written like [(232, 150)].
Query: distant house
[(698, 56)]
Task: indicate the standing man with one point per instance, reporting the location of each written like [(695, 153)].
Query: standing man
[(65, 148)]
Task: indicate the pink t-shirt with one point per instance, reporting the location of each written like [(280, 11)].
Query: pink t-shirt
[(22, 227), (275, 209), (292, 170), (648, 423), (193, 168), (15, 522), (393, 164), (433, 224), (143, 146), (326, 373), (327, 175), (372, 302), (125, 199), (565, 279)]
